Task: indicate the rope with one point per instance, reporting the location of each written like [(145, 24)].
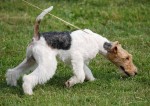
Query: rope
[(55, 16)]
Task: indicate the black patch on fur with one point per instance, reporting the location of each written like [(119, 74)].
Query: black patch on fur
[(58, 40), (107, 46)]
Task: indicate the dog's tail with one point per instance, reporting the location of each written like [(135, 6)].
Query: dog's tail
[(38, 20)]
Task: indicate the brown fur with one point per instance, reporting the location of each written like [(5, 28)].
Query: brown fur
[(36, 30), (122, 59)]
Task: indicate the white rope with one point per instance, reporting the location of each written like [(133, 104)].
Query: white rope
[(55, 16)]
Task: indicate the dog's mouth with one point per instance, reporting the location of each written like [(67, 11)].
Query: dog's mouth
[(123, 69)]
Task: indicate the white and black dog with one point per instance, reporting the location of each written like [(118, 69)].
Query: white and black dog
[(76, 49)]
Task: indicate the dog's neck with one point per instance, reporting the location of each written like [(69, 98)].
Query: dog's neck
[(103, 51), (101, 42)]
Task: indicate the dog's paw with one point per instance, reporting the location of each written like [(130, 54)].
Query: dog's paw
[(68, 84), (90, 79), (27, 89), (11, 82), (11, 78)]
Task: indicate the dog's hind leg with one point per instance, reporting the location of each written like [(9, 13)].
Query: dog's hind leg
[(46, 60), (88, 74), (13, 75)]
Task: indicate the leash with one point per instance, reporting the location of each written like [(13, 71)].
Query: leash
[(55, 16)]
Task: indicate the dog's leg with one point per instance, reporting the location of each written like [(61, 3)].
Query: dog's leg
[(88, 74), (45, 70), (79, 75), (13, 75)]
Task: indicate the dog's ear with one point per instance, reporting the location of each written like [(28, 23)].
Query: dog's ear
[(111, 47), (116, 43), (107, 46), (114, 47)]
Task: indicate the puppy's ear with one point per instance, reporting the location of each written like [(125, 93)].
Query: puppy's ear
[(107, 46)]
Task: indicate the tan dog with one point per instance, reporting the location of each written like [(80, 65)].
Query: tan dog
[(121, 58)]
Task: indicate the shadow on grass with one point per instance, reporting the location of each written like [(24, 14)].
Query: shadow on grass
[(7, 90), (58, 82)]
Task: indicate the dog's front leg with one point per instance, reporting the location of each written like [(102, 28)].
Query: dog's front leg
[(78, 71), (88, 74)]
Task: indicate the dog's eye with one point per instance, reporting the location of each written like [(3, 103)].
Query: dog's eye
[(127, 58)]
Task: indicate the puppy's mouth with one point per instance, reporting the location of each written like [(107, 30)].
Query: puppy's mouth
[(123, 69)]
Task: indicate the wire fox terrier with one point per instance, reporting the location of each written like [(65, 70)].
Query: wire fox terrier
[(76, 49)]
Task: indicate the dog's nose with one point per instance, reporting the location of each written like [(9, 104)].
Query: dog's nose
[(135, 73)]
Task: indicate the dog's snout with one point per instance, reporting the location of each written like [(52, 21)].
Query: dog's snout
[(136, 71)]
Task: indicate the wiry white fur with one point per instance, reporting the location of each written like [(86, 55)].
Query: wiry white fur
[(40, 17), (84, 48), (42, 59)]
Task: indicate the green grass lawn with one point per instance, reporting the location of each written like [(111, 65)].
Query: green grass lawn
[(127, 21)]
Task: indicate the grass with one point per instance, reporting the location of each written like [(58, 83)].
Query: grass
[(127, 21)]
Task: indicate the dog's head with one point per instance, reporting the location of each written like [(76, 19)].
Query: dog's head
[(121, 58)]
